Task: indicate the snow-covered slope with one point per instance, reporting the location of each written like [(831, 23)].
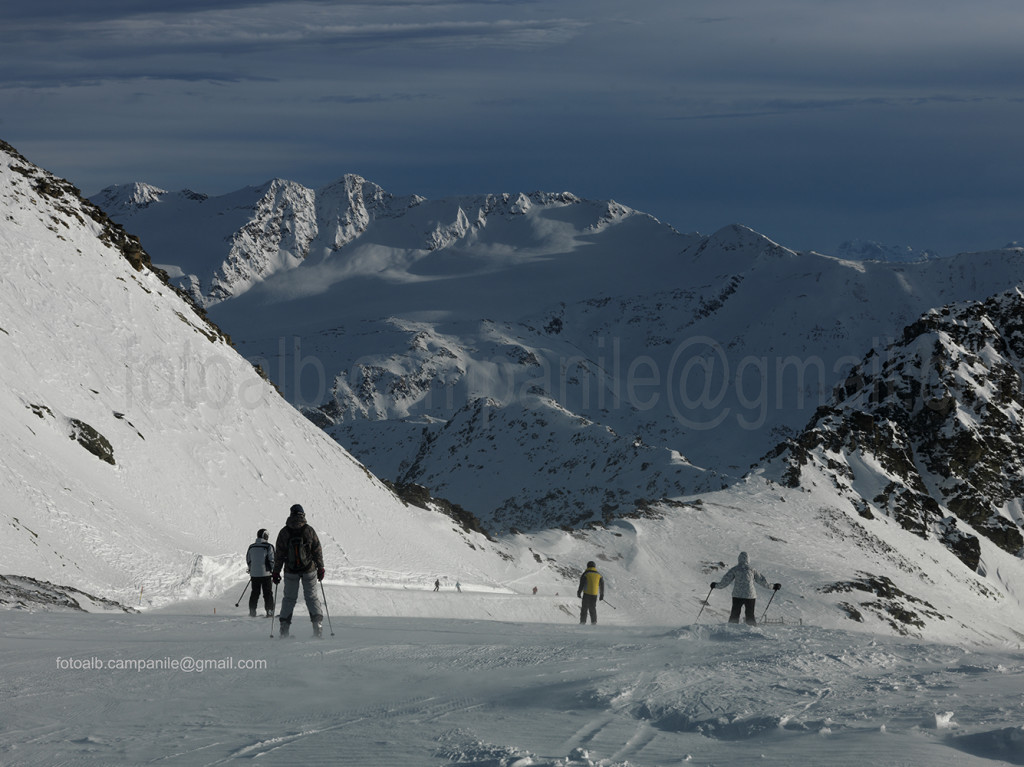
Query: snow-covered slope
[(140, 451), (190, 687)]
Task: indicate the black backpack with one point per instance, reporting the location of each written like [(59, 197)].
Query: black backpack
[(299, 557)]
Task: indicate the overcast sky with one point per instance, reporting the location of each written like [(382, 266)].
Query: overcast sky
[(812, 121)]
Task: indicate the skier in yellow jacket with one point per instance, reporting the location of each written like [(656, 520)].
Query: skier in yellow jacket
[(591, 589)]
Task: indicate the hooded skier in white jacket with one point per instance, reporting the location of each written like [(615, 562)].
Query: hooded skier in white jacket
[(744, 594), (259, 560)]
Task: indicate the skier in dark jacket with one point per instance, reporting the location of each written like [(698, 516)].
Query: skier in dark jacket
[(591, 589), (744, 594), (259, 560), (300, 555)]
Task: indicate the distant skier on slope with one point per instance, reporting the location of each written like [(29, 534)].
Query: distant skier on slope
[(591, 588), (299, 553), (259, 560), (744, 595)]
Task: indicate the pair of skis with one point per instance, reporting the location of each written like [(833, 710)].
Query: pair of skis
[(326, 611), (272, 615)]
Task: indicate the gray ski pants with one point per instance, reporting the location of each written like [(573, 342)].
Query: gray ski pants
[(291, 596)]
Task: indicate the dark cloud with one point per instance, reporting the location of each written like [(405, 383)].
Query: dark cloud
[(98, 10), (813, 121)]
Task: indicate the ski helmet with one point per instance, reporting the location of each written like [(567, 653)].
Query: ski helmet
[(262, 534)]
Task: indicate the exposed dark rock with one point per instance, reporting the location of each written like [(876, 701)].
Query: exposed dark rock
[(940, 417), (86, 436), (417, 495), (24, 593), (893, 605)]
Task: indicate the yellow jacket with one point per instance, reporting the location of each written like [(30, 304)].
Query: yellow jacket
[(591, 583)]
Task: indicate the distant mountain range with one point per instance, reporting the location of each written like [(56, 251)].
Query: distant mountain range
[(539, 359)]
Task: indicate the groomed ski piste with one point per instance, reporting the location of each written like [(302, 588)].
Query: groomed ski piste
[(201, 683)]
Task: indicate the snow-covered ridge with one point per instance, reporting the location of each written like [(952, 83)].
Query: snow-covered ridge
[(276, 226)]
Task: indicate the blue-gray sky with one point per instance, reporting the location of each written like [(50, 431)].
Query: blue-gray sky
[(812, 121)]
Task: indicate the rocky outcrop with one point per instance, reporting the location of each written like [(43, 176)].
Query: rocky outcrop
[(936, 421)]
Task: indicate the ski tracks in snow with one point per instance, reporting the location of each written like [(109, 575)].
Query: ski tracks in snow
[(343, 733), (603, 732), (401, 692)]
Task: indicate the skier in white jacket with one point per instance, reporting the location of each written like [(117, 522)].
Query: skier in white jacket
[(744, 594), (260, 564)]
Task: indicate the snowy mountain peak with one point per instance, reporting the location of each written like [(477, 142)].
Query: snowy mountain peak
[(275, 186), (125, 198), (366, 197), (275, 238), (521, 205), (934, 424), (736, 238), (345, 208)]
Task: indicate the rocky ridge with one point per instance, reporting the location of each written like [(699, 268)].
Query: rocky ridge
[(934, 425)]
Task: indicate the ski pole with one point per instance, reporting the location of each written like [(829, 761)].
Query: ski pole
[(273, 612), (774, 592), (243, 594), (705, 604), (610, 604), (326, 611)]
